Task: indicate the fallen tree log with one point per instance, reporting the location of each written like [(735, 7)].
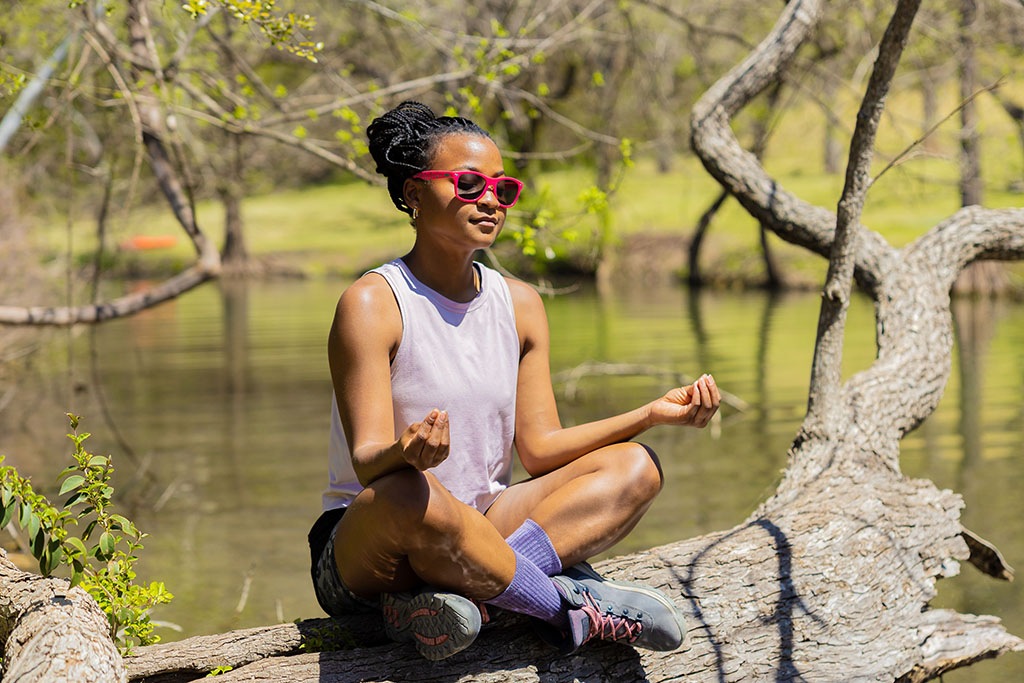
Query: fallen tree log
[(51, 632)]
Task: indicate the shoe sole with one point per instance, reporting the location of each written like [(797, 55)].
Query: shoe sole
[(438, 624), (584, 570)]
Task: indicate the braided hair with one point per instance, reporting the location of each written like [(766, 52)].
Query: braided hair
[(403, 142)]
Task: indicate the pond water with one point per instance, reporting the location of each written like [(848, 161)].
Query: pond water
[(222, 399)]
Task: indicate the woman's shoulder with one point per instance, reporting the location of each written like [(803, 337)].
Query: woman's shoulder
[(522, 293), (369, 299), (528, 308)]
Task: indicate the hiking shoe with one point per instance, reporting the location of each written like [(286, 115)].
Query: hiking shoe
[(617, 611), (439, 624)]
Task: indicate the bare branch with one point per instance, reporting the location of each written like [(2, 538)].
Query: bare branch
[(823, 409), (116, 308), (739, 171)]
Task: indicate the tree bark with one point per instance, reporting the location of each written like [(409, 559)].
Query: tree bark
[(51, 633)]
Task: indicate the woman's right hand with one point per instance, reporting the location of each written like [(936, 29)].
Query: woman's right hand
[(425, 444)]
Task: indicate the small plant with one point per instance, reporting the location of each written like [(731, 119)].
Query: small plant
[(101, 558), (218, 670)]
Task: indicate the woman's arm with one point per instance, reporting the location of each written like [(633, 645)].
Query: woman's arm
[(364, 337), (543, 444)]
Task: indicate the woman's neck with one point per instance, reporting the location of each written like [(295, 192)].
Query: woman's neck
[(454, 278)]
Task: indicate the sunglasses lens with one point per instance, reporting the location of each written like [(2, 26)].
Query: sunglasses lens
[(507, 192), (470, 185)]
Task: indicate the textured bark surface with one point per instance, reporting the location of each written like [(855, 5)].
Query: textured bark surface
[(51, 633)]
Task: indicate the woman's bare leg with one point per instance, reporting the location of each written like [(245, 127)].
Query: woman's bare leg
[(405, 529), (586, 506)]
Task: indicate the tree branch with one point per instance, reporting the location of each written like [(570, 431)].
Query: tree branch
[(824, 409), (739, 171)]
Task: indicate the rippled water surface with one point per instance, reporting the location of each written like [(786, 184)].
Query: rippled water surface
[(222, 398)]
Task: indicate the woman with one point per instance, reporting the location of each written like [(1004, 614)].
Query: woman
[(440, 366)]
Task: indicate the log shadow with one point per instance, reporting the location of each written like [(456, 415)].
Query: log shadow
[(508, 644), (788, 599), (787, 603)]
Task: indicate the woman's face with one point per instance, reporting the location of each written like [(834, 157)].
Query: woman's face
[(442, 216)]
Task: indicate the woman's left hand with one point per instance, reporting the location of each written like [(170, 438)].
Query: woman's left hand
[(692, 405)]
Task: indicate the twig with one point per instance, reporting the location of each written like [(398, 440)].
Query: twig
[(924, 136)]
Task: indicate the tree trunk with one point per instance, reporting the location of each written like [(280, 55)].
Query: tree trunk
[(694, 277), (971, 188), (51, 633), (978, 278)]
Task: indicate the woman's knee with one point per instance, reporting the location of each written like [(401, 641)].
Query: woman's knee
[(640, 467), (412, 500)]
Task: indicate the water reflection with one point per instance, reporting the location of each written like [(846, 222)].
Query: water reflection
[(223, 397)]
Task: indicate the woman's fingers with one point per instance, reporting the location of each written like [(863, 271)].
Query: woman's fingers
[(430, 441), (435, 450), (710, 399)]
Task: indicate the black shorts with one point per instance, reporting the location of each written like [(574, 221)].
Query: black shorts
[(332, 594)]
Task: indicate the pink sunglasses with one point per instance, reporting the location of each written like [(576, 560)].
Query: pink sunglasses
[(471, 185)]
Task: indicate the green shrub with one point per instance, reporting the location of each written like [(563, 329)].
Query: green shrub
[(102, 556)]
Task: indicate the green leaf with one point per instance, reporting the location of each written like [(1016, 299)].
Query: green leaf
[(74, 499), (71, 483), (8, 514), (107, 543), (76, 544), (98, 461), (45, 562), (56, 552), (32, 525), (38, 544), (119, 522)]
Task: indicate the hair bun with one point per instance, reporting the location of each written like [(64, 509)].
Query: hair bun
[(396, 138), (403, 139)]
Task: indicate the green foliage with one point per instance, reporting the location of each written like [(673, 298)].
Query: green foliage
[(102, 556), (218, 670), (11, 83), (329, 638), (284, 29)]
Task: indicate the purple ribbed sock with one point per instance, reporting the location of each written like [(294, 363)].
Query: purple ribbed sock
[(531, 541), (531, 592)]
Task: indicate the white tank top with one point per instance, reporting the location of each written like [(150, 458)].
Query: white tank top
[(459, 357)]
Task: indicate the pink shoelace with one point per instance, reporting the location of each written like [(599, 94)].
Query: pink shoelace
[(609, 626)]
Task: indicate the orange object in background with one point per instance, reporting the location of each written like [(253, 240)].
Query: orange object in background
[(145, 242)]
